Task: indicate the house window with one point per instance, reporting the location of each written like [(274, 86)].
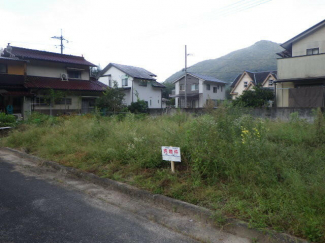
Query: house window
[(125, 82), (143, 83), (3, 68), (150, 102), (194, 87), (63, 101), (41, 101), (110, 82), (313, 51), (215, 89), (245, 84), (208, 86), (270, 82), (74, 74), (181, 87)]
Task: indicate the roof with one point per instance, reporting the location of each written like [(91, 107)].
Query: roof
[(205, 78), (135, 72), (288, 44), (157, 84), (24, 53), (57, 83), (257, 77)]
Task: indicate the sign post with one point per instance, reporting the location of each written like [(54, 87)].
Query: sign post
[(172, 154)]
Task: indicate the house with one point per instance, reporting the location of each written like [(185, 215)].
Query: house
[(301, 72), (199, 89), (136, 83), (51, 83), (247, 80)]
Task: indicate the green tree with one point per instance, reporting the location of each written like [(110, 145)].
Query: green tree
[(254, 98), (112, 99)]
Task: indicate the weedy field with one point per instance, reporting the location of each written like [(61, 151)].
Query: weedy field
[(269, 173)]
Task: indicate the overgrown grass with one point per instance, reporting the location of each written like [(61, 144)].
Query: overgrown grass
[(268, 173)]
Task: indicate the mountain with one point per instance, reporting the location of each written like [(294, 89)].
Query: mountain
[(259, 57)]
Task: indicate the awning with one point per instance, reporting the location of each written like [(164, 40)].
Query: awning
[(183, 96)]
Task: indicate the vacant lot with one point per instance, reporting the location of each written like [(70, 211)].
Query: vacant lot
[(271, 174)]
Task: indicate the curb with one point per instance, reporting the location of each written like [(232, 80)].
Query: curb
[(232, 226)]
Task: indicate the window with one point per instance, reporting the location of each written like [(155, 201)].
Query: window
[(270, 82), (63, 101), (313, 51), (143, 83), (3, 68), (150, 102), (110, 82), (194, 87), (41, 101), (124, 81), (208, 86), (74, 74), (181, 87), (245, 84), (215, 89)]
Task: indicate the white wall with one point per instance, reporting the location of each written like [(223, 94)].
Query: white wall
[(313, 40), (148, 93), (116, 75), (52, 69), (208, 94)]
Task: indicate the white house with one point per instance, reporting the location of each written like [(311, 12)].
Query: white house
[(137, 83), (199, 89)]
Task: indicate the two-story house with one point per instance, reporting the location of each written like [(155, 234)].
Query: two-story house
[(136, 82), (199, 90), (247, 80), (57, 83), (301, 69)]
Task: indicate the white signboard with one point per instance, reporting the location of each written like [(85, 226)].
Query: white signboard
[(171, 153)]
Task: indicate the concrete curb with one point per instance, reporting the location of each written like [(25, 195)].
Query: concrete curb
[(232, 226)]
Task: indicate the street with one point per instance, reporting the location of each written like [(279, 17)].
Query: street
[(41, 204), (32, 210)]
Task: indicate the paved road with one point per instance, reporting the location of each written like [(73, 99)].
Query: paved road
[(34, 210)]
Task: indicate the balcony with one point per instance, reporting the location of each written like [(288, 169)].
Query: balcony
[(302, 67)]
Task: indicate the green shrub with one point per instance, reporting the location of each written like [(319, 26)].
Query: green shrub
[(7, 120)]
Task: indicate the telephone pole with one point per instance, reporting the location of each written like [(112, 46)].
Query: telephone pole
[(185, 77), (61, 39)]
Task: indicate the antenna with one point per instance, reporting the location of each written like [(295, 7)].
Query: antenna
[(62, 39)]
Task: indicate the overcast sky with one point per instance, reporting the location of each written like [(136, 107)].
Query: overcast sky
[(152, 34)]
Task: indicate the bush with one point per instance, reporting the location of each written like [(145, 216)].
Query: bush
[(7, 120)]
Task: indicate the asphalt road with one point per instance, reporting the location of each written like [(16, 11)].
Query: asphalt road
[(35, 210)]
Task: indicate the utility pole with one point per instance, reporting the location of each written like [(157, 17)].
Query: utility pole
[(61, 39), (185, 77)]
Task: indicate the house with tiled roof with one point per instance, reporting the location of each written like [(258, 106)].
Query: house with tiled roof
[(135, 81), (301, 72), (247, 80), (50, 83), (199, 89)]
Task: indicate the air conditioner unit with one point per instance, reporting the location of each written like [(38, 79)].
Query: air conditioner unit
[(64, 77)]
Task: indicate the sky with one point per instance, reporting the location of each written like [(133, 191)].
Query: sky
[(152, 34)]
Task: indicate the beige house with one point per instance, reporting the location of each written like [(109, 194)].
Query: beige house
[(247, 80), (301, 69)]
